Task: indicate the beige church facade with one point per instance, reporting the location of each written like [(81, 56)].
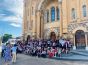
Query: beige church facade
[(66, 18)]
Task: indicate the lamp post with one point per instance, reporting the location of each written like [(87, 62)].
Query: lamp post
[(61, 17)]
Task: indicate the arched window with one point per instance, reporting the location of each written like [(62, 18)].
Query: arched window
[(47, 16), (73, 13), (58, 13), (84, 10), (53, 14)]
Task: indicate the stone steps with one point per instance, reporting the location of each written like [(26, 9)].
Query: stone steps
[(74, 55), (80, 52), (72, 58)]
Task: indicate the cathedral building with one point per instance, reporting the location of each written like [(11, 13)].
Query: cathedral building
[(64, 18)]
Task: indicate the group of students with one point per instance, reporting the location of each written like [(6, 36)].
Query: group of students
[(41, 48), (47, 48), (9, 53)]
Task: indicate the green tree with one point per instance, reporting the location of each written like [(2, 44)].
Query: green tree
[(6, 37)]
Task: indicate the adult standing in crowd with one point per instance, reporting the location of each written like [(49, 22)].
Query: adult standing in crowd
[(7, 54), (14, 50), (3, 48)]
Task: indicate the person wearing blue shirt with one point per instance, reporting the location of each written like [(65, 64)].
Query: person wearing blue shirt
[(14, 48)]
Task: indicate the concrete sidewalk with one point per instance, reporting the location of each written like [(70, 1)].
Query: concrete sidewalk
[(28, 60)]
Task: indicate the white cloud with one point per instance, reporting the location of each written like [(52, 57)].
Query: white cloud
[(2, 14), (16, 7), (15, 25), (12, 19)]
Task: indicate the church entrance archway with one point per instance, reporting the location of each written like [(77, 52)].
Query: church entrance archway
[(53, 36), (80, 39)]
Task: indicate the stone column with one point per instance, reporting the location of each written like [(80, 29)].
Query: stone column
[(61, 18), (38, 24), (74, 46), (42, 26), (86, 33)]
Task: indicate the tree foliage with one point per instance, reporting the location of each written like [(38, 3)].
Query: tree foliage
[(6, 37)]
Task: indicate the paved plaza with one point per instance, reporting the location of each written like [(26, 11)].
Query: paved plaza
[(27, 60)]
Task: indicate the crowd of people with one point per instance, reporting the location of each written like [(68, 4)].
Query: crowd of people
[(47, 48), (40, 48)]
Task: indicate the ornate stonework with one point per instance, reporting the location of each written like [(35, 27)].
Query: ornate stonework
[(48, 31), (73, 26)]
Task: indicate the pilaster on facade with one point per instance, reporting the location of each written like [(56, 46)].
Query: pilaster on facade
[(61, 17), (38, 23)]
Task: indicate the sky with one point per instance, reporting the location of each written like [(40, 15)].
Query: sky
[(11, 15)]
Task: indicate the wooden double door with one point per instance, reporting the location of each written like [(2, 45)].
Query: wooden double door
[(80, 38)]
